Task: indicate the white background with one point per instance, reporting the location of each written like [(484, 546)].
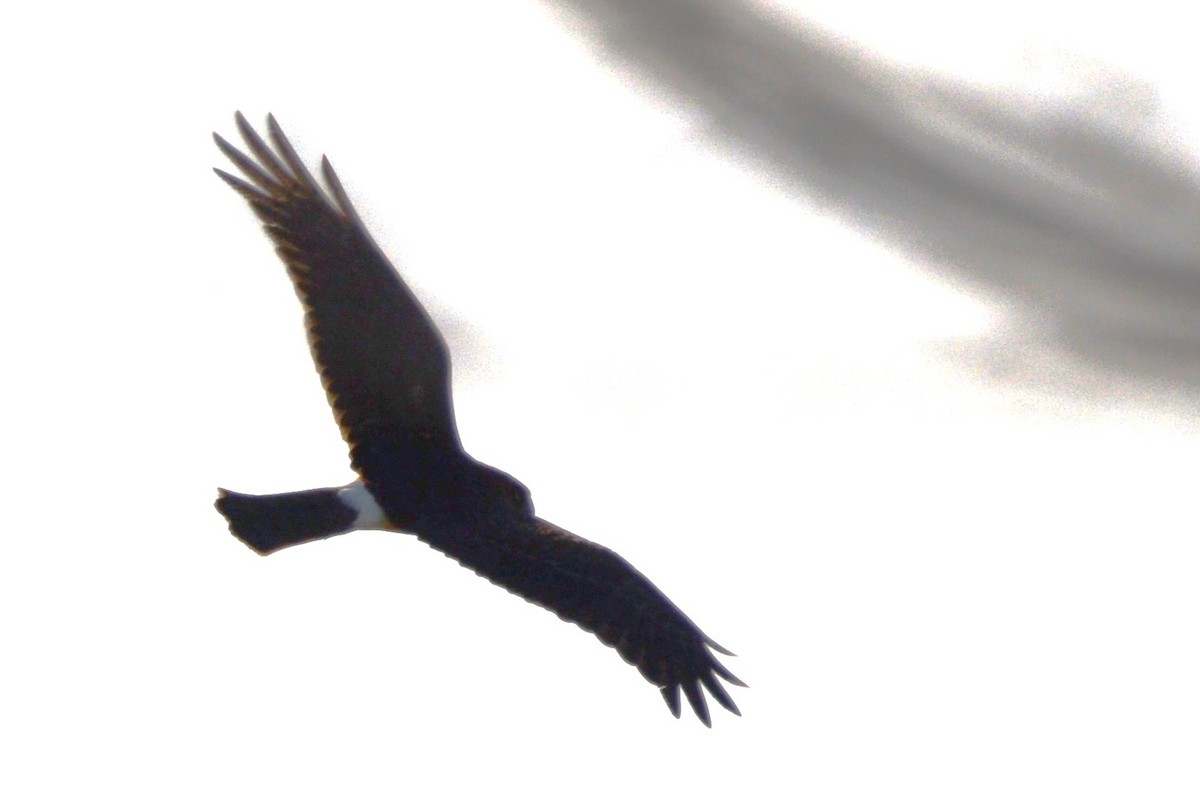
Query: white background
[(925, 458)]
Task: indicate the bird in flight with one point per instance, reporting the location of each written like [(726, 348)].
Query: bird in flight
[(386, 373)]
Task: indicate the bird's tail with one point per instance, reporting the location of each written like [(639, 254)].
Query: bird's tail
[(269, 522)]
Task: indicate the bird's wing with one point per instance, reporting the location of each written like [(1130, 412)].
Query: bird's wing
[(385, 367), (595, 588)]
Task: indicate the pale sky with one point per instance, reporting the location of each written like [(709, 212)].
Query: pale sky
[(925, 459)]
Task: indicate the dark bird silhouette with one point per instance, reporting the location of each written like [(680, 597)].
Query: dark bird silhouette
[(386, 372)]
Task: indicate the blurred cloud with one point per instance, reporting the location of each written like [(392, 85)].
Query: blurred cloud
[(1076, 213)]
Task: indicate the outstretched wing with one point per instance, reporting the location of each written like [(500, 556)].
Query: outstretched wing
[(595, 588), (385, 367)]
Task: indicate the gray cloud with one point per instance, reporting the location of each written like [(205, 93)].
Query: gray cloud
[(1081, 217)]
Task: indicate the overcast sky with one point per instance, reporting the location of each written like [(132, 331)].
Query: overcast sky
[(872, 338)]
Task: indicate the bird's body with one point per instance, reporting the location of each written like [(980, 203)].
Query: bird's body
[(386, 372)]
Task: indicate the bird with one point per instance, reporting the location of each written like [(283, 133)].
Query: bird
[(385, 369)]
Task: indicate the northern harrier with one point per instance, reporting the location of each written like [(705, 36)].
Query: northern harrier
[(386, 372)]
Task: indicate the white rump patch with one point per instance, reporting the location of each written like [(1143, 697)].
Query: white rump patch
[(370, 515)]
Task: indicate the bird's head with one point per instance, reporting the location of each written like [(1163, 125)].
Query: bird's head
[(504, 493)]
